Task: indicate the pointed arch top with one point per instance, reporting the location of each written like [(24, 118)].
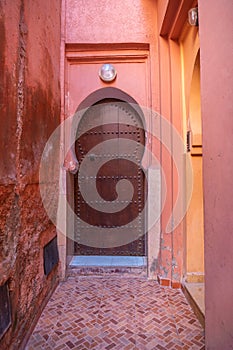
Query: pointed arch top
[(71, 163), (110, 92)]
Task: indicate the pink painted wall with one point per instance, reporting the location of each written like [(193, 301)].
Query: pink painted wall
[(125, 24), (130, 21), (216, 42), (30, 111), (169, 62), (101, 21)]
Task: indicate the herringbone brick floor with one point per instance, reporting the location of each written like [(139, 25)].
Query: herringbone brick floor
[(119, 313)]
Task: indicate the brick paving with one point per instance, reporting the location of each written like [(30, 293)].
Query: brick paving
[(119, 313)]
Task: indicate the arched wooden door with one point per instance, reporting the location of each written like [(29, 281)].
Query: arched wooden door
[(109, 148)]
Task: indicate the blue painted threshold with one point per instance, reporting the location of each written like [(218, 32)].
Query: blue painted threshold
[(94, 260)]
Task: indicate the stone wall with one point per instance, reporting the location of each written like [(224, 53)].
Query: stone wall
[(29, 112)]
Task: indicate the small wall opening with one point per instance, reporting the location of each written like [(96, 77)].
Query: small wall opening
[(5, 309), (51, 257)]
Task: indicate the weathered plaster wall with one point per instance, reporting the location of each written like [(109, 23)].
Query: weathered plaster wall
[(216, 42), (110, 21), (140, 22), (107, 22), (170, 81), (136, 21), (194, 235), (119, 27), (30, 111)]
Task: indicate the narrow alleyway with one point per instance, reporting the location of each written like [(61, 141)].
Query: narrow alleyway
[(116, 312)]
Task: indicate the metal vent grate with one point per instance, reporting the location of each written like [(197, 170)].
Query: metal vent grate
[(50, 256), (5, 309), (188, 141)]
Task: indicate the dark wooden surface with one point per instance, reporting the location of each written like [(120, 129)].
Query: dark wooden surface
[(118, 121)]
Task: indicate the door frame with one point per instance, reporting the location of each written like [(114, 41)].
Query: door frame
[(131, 59), (152, 172)]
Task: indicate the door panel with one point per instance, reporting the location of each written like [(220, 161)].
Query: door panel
[(109, 148)]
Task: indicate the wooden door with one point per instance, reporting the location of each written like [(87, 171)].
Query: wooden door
[(114, 131)]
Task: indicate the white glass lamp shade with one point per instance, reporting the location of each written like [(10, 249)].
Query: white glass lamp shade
[(193, 16), (107, 72)]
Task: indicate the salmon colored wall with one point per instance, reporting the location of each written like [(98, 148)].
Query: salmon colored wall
[(114, 22), (30, 111), (194, 229), (216, 42), (97, 32), (166, 238), (177, 173), (195, 105), (178, 47), (194, 235), (158, 78), (190, 45), (171, 257), (89, 81), (90, 21)]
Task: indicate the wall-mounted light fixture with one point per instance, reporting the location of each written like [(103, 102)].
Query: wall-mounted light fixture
[(193, 16), (107, 72)]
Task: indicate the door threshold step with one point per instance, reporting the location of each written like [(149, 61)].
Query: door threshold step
[(106, 265), (100, 271), (107, 260)]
